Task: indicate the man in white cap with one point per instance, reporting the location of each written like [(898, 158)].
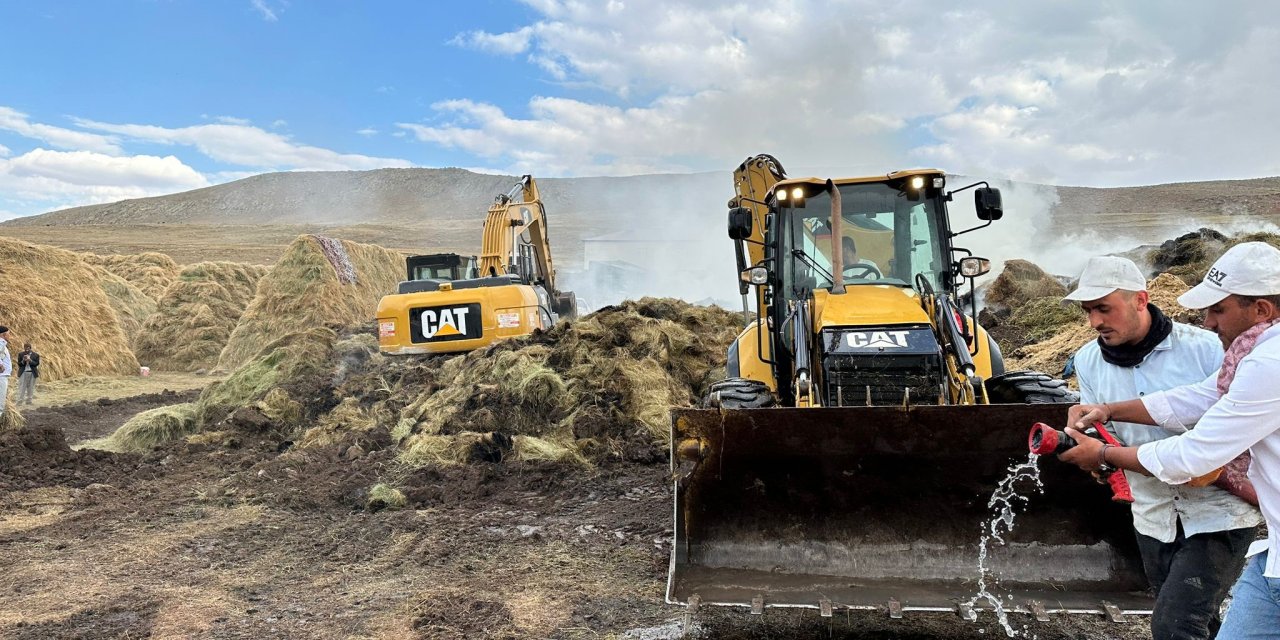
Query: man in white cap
[(1234, 411), (1192, 539)]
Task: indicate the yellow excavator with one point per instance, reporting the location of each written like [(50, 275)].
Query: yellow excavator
[(452, 304), (848, 460)]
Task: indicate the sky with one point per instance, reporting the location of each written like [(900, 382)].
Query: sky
[(102, 101)]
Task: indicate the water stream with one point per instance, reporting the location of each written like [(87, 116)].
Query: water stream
[(1004, 504)]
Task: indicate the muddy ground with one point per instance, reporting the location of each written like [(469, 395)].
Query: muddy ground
[(258, 540)]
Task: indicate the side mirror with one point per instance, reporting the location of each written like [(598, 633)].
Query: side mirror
[(756, 275), (739, 223), (986, 200), (973, 267)]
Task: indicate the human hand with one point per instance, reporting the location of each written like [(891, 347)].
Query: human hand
[(1087, 454), (1082, 416)]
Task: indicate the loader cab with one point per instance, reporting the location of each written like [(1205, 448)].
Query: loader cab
[(893, 232)]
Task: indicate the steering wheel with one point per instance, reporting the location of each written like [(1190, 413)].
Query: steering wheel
[(862, 272)]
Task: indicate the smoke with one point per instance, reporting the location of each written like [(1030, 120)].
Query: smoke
[(662, 236)]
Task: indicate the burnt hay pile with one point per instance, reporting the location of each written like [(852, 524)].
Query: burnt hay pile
[(596, 389)]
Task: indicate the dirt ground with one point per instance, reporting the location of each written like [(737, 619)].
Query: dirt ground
[(249, 541)]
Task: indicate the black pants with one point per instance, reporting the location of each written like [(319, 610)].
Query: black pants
[(1191, 577)]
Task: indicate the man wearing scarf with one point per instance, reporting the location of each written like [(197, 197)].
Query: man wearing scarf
[(1192, 539), (1235, 411)]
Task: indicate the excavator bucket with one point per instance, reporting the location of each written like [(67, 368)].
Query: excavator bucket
[(884, 508)]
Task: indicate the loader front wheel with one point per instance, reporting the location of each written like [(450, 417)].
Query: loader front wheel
[(1028, 387), (739, 393)]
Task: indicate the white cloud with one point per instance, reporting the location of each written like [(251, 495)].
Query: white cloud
[(4, 151), (279, 123), (367, 131), (18, 122), (44, 178), (233, 120), (266, 11), (509, 43), (247, 146), (1062, 93)]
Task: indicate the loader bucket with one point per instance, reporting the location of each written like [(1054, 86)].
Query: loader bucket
[(884, 507)]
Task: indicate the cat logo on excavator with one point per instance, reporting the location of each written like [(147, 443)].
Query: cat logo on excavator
[(445, 322)]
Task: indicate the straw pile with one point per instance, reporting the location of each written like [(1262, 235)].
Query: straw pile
[(316, 283), (599, 388), (131, 305), (196, 315), (1020, 282), (54, 300), (151, 272), (149, 429)]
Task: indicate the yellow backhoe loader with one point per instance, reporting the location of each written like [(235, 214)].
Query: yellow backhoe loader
[(450, 304), (848, 460)]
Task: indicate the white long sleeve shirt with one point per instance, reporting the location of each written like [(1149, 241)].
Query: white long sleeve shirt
[(1186, 356), (6, 364), (1246, 418)]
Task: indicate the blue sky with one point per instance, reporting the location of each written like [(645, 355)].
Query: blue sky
[(101, 101)]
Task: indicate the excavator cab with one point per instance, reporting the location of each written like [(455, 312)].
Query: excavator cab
[(850, 459), (443, 267)]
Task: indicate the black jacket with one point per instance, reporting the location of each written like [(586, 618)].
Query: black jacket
[(18, 366)]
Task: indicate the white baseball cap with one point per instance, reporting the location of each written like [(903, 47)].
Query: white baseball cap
[(1247, 269), (1104, 275)]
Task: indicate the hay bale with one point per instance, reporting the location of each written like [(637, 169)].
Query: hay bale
[(599, 387), (149, 429), (194, 318), (54, 299), (313, 285), (150, 272), (1020, 282)]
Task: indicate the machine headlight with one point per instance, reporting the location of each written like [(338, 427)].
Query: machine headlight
[(917, 182)]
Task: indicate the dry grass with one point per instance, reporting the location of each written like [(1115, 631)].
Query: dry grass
[(131, 304), (79, 388), (303, 291), (148, 429), (12, 418), (53, 299), (289, 357), (151, 272), (196, 315)]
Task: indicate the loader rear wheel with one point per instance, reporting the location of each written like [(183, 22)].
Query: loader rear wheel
[(1028, 387), (739, 393)]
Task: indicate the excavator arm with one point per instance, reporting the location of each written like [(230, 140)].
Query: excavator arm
[(516, 242)]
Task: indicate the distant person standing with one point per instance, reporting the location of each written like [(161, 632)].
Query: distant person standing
[(6, 367), (28, 372)]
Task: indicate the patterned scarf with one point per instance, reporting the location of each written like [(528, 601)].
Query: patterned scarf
[(1235, 474)]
